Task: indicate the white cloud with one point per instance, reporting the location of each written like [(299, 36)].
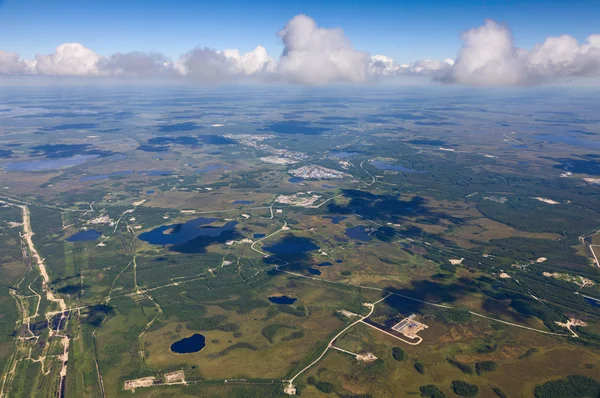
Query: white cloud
[(72, 59), (319, 56), (489, 57), (10, 64), (314, 55), (250, 63), (381, 65), (136, 64)]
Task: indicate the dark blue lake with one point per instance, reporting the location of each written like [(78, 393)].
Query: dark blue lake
[(83, 236), (285, 300), (358, 233), (177, 234), (48, 164), (150, 192), (211, 167), (258, 236), (243, 202), (292, 246), (313, 271), (387, 166), (325, 264), (99, 177), (342, 154), (336, 219), (295, 180), (571, 141), (339, 261), (591, 302), (155, 173), (194, 343)]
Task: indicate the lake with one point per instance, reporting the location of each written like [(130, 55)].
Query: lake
[(358, 233), (48, 164), (571, 141), (342, 154), (313, 271), (258, 236), (177, 234), (295, 180), (387, 166), (242, 202), (292, 246), (325, 264), (194, 343), (99, 177), (284, 300), (83, 236), (335, 219)]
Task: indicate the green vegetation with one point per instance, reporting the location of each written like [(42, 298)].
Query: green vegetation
[(464, 389), (398, 354), (571, 386), (463, 367), (322, 386), (485, 366), (419, 367), (431, 391)]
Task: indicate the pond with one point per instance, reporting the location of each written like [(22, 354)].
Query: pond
[(155, 173), (358, 233), (343, 154), (211, 167), (313, 271), (387, 166), (177, 234), (325, 264), (295, 180), (83, 236), (243, 202), (194, 343), (284, 300), (592, 302), (258, 236), (571, 141), (292, 246), (150, 192), (336, 219), (48, 164), (99, 177)]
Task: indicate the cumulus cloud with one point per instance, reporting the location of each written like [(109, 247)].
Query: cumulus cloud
[(381, 65), (136, 64), (318, 55), (11, 64), (489, 57), (72, 59), (314, 55)]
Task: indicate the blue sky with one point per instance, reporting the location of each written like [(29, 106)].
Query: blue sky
[(404, 30)]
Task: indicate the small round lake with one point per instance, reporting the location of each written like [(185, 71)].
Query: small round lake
[(83, 236), (358, 233), (285, 300), (313, 271), (387, 166), (194, 343), (292, 246), (335, 219), (243, 202)]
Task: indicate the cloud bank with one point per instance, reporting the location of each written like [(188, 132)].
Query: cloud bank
[(318, 56)]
